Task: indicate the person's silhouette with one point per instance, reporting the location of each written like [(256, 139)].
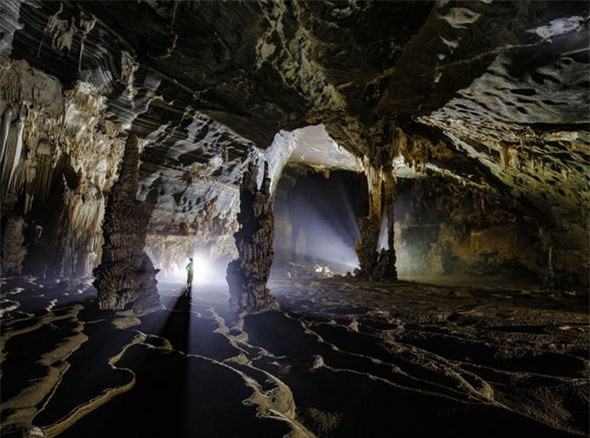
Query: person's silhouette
[(189, 275)]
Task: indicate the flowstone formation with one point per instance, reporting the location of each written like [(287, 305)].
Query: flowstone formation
[(248, 274), (514, 360), (59, 155), (126, 275)]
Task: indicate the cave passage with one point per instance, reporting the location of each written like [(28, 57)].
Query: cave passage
[(438, 150), (316, 222)]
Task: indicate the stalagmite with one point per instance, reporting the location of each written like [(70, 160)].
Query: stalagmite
[(550, 279), (247, 275), (126, 275), (13, 249)]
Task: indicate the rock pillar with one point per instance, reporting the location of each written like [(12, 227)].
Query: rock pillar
[(386, 266), (248, 274), (376, 264), (13, 248), (370, 227), (126, 276)]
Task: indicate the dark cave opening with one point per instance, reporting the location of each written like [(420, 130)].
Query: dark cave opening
[(316, 222), (437, 239)]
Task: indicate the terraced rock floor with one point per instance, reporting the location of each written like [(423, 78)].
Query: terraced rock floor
[(342, 359)]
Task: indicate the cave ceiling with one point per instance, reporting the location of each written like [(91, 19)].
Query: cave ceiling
[(493, 94)]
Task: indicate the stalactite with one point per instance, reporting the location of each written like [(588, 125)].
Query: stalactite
[(81, 217), (62, 31), (247, 275), (13, 147), (37, 175), (20, 126), (86, 25)]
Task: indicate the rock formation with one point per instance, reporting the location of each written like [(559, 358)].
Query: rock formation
[(248, 274), (13, 249), (379, 263), (489, 96), (461, 130), (126, 275)]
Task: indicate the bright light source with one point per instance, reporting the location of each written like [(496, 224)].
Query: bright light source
[(202, 267)]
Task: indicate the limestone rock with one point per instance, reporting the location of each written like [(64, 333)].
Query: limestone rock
[(487, 95), (126, 275), (13, 250), (247, 275)]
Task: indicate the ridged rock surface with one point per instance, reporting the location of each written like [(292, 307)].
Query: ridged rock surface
[(487, 95), (248, 274)]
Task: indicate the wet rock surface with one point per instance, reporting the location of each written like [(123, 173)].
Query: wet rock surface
[(342, 359)]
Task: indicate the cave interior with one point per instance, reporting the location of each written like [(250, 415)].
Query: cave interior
[(386, 205)]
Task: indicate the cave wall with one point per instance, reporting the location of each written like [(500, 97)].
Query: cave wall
[(447, 229), (452, 220), (492, 96), (62, 149), (60, 155), (536, 205), (196, 205)]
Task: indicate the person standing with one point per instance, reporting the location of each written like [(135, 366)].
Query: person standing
[(189, 274)]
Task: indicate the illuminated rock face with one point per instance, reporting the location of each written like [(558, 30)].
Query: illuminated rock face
[(467, 233), (60, 157), (491, 96)]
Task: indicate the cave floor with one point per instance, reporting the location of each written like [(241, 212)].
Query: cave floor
[(342, 359)]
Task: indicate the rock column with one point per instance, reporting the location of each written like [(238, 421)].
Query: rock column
[(248, 274), (376, 264), (370, 227), (126, 276), (386, 266)]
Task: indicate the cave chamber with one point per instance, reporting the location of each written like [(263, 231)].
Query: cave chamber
[(386, 204)]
